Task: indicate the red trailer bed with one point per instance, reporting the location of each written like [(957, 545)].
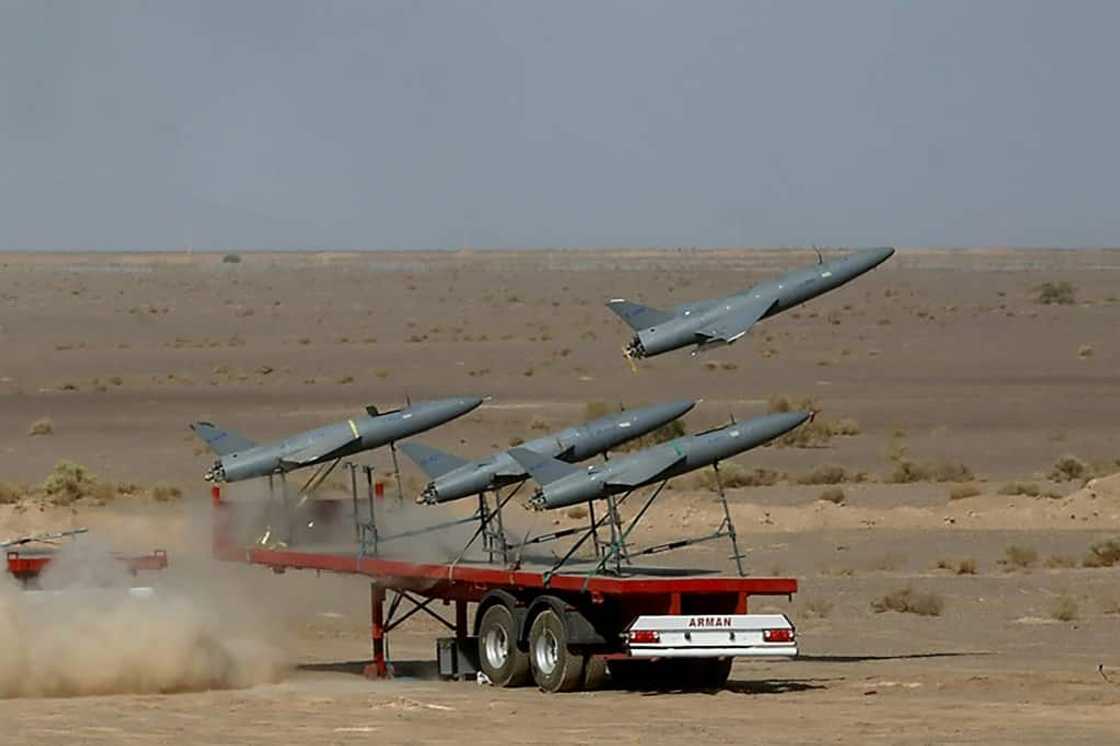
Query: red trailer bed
[(597, 611)]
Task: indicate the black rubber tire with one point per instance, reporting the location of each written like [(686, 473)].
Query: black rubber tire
[(497, 631), (555, 668), (706, 673), (636, 674), (594, 673)]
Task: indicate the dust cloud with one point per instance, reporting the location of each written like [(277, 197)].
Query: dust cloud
[(86, 631)]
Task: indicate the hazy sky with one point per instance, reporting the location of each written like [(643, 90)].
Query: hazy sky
[(134, 125)]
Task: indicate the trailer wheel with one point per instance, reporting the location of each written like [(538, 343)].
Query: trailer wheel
[(594, 673), (555, 668), (632, 674), (707, 673), (498, 655)]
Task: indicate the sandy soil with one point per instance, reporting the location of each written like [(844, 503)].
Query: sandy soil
[(937, 356)]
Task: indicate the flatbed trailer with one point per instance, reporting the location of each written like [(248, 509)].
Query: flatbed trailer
[(650, 627)]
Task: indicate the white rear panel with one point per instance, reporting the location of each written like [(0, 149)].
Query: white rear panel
[(710, 635)]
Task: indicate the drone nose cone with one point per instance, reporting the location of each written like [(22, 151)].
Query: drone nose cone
[(678, 408), (467, 403), (875, 257), (783, 422)]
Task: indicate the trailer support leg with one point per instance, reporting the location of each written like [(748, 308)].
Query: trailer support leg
[(397, 471), (728, 524), (379, 667)]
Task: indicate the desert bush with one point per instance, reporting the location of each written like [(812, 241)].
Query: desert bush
[(165, 493), (1069, 468), (42, 426), (346, 380), (734, 476), (231, 259), (577, 513), (1057, 561), (810, 435), (1056, 293), (10, 493), (68, 482), (966, 567), (1064, 609), (1103, 554), (818, 607), (908, 472), (825, 474), (515, 441), (1085, 351), (963, 491), (538, 423), (1019, 556), (1030, 489), (834, 495), (907, 601), (952, 471), (845, 427)]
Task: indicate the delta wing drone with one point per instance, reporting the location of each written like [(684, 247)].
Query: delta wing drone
[(241, 458), (721, 321), (563, 484), (454, 478)]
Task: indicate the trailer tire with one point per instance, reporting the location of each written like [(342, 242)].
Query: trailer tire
[(594, 673), (555, 667), (707, 673), (632, 674), (499, 657)]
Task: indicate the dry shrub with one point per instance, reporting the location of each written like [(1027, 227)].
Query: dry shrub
[(1064, 609), (1056, 293), (846, 427), (825, 474), (515, 441), (1103, 554), (164, 493), (966, 567), (834, 495), (1056, 562), (1069, 468), (1085, 351), (11, 493), (734, 476), (42, 426), (907, 601), (68, 482), (908, 472), (576, 513), (1030, 489), (963, 491), (538, 423), (1019, 556)]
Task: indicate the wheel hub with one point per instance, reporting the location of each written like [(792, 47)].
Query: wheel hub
[(496, 646), (546, 652)]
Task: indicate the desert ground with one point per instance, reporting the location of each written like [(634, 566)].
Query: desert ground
[(965, 449)]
